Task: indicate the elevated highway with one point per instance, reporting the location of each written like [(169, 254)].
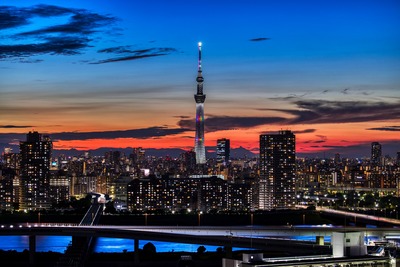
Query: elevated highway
[(238, 236)]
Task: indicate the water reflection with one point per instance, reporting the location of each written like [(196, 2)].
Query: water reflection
[(103, 244)]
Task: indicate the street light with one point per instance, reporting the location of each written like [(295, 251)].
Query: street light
[(198, 215)]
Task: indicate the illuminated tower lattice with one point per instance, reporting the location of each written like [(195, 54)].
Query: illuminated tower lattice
[(200, 98)]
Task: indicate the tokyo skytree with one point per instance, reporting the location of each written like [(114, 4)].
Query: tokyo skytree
[(199, 147)]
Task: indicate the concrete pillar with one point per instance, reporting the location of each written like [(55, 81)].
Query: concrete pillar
[(32, 250), (228, 250), (74, 240), (77, 241), (136, 251), (319, 240)]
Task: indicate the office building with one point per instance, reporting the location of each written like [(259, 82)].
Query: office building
[(206, 194), (35, 167), (223, 151), (60, 185), (138, 158), (277, 171), (7, 196), (376, 153)]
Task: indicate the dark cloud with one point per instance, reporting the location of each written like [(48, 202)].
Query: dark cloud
[(321, 111), (55, 45), (290, 97), (116, 59), (15, 126), (117, 49), (308, 112), (81, 23), (133, 54), (11, 138), (305, 131), (63, 39), (166, 49), (259, 39), (68, 38), (345, 91), (322, 139), (11, 17), (31, 61), (182, 117), (144, 133), (386, 128), (219, 123), (126, 50), (151, 132), (48, 11)]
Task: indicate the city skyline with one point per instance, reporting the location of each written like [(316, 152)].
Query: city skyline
[(98, 74)]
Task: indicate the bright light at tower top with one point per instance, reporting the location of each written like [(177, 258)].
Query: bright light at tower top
[(200, 44)]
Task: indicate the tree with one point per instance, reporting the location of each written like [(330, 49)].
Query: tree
[(110, 208), (149, 248), (369, 201), (201, 250)]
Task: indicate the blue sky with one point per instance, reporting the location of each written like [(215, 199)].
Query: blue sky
[(328, 70)]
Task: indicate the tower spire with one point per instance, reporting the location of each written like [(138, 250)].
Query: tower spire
[(199, 64), (199, 78), (200, 98)]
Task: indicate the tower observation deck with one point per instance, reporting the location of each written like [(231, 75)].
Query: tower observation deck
[(199, 147)]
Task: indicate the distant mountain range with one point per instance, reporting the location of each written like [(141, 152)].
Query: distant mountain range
[(172, 152), (355, 151)]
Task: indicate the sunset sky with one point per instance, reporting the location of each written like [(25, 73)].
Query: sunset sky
[(117, 74)]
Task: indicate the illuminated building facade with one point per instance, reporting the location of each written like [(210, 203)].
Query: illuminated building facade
[(199, 147), (376, 153), (172, 194), (60, 184), (176, 194), (277, 171), (7, 189), (212, 194), (223, 151), (35, 171)]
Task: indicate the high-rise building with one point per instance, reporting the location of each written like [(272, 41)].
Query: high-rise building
[(376, 153), (138, 157), (199, 147), (205, 194), (60, 183), (35, 167), (277, 171), (337, 158), (7, 195), (223, 151)]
